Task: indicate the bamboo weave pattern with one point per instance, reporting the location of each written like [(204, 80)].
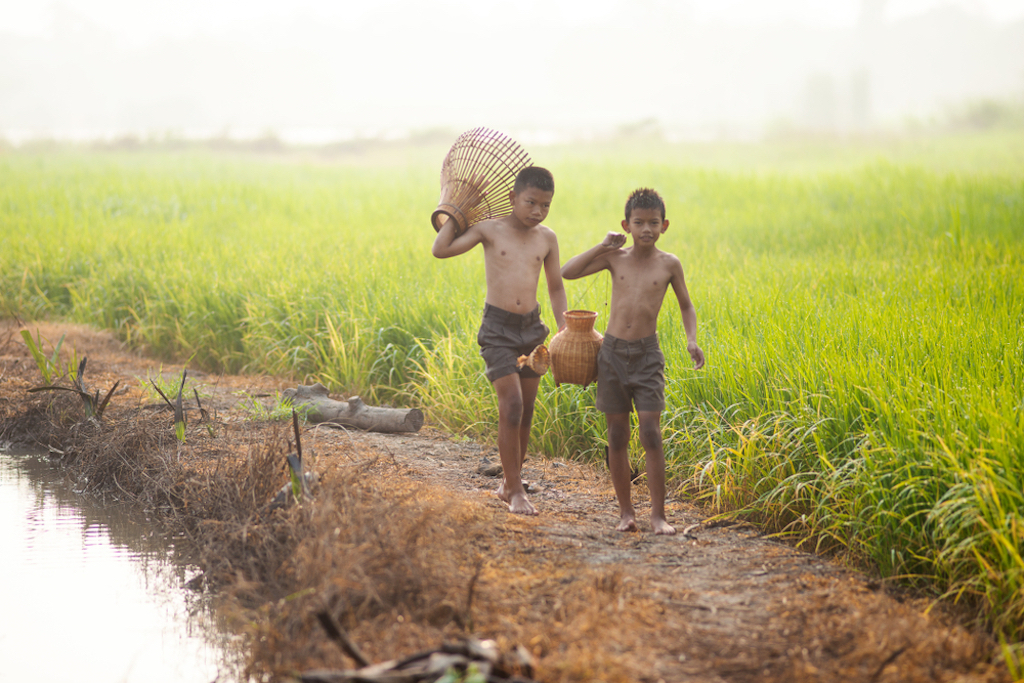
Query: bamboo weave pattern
[(477, 176), (574, 349), (539, 360)]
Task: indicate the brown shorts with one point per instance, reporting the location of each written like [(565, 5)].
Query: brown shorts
[(504, 336), (628, 373)]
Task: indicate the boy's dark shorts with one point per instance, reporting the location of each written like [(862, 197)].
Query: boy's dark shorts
[(504, 336), (630, 372)]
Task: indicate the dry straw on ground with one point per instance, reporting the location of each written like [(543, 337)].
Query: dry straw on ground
[(402, 542)]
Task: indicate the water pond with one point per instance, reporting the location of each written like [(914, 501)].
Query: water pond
[(91, 592)]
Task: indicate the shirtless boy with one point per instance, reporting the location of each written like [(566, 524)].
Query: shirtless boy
[(516, 248), (630, 365)]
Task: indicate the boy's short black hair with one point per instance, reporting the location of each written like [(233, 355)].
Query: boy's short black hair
[(645, 198), (534, 176)]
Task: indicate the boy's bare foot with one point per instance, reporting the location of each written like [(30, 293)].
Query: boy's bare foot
[(662, 526), (517, 504), (521, 505), (627, 523)]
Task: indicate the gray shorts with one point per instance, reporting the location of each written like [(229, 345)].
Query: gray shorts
[(504, 336), (628, 373)]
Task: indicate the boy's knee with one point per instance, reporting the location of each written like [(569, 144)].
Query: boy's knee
[(650, 436), (618, 435), (510, 409)]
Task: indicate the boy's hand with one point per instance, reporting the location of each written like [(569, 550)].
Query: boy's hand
[(696, 355), (613, 240)]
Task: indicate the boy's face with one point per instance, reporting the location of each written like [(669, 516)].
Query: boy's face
[(645, 225), (531, 206)]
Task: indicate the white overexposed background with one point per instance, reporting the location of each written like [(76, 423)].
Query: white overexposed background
[(320, 70)]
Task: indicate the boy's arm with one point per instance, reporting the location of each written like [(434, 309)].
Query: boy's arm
[(689, 314), (448, 244), (556, 289), (593, 260)]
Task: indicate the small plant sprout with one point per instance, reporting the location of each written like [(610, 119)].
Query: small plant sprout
[(168, 384), (204, 416), (300, 488), (177, 407), (49, 368), (91, 403), (281, 408)]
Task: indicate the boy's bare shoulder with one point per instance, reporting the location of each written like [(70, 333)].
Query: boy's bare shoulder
[(669, 257), (666, 258), (547, 232), (488, 224)]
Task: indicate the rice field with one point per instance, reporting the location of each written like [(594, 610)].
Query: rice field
[(861, 310)]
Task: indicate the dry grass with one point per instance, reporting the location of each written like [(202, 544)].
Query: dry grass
[(405, 559), (404, 566), (401, 564)]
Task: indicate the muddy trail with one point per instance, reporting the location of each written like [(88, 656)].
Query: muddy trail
[(404, 543)]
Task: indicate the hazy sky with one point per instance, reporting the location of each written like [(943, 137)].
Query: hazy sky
[(321, 69), (142, 21)]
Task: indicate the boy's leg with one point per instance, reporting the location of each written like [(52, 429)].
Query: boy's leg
[(510, 419), (618, 464), (529, 387), (654, 454)]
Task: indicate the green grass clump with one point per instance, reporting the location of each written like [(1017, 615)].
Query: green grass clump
[(861, 315)]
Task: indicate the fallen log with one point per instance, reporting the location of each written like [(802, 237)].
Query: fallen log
[(319, 407)]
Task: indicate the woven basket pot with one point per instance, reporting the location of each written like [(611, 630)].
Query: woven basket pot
[(574, 349)]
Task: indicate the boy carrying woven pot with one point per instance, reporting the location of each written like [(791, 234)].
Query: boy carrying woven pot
[(516, 248), (630, 365)]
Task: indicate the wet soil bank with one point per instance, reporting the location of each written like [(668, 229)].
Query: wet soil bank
[(403, 543)]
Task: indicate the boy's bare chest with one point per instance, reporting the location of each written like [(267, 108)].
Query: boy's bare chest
[(517, 252), (641, 279)]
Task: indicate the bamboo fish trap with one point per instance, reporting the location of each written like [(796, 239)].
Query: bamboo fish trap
[(539, 360), (477, 176)]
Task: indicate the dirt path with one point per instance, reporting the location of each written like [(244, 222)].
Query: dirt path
[(720, 602), (731, 604)]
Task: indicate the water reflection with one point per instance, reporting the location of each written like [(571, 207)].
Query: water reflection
[(91, 594)]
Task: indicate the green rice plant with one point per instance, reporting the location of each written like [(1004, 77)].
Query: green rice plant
[(453, 388), (978, 526), (860, 307), (344, 360), (280, 408), (566, 424), (158, 384), (50, 368), (177, 406), (1013, 655), (472, 674)]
